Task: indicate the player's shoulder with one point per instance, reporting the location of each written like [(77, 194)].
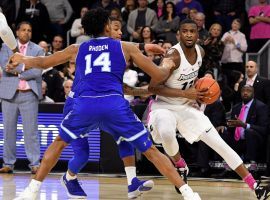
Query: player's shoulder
[(201, 50)]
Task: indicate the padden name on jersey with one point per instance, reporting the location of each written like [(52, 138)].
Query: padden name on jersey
[(99, 48), (188, 76)]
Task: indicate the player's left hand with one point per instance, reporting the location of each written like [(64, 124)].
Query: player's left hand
[(154, 48)]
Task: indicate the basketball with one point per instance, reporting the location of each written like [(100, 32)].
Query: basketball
[(212, 86)]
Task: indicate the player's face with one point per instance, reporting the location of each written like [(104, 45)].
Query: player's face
[(24, 33), (116, 32), (247, 93), (189, 35)]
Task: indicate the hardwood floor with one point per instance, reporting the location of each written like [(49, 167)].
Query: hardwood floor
[(115, 188)]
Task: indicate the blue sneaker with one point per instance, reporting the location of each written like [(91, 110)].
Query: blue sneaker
[(138, 187), (73, 187)]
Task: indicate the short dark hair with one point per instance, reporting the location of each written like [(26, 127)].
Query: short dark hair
[(94, 21), (112, 19), (23, 22), (187, 21)]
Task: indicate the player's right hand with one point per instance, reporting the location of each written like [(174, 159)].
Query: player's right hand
[(198, 95), (14, 61)]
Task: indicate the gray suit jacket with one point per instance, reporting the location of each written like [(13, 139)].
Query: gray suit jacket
[(9, 82)]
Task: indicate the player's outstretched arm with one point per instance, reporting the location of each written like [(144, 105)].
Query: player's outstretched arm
[(44, 62), (158, 74), (6, 33)]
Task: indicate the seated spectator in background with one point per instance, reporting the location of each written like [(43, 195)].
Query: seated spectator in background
[(105, 4), (159, 7), (225, 11), (45, 98), (57, 45), (260, 84), (67, 85), (130, 5), (166, 45), (60, 12), (140, 17), (168, 24), (248, 127), (259, 19), (213, 48), (192, 13), (216, 114), (183, 7), (77, 30), (235, 45), (37, 14), (199, 18), (45, 46), (147, 35), (68, 71)]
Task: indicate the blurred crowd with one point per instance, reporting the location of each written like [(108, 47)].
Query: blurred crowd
[(228, 29)]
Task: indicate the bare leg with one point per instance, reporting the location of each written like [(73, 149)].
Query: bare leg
[(50, 158), (164, 165), (242, 171), (129, 161), (176, 157)]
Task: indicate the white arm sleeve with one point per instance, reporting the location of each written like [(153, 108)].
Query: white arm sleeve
[(6, 33)]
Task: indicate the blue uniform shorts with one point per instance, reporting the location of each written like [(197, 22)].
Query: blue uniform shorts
[(111, 114)]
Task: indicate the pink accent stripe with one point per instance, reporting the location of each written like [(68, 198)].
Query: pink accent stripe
[(149, 110), (250, 181)]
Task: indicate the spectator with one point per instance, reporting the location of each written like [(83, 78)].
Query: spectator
[(225, 11), (20, 92), (130, 5), (199, 18), (260, 84), (140, 17), (147, 35), (192, 13), (259, 19), (45, 46), (10, 9), (45, 98), (159, 8), (67, 87), (248, 127), (57, 45), (213, 48), (105, 4), (37, 14), (168, 24), (60, 12), (166, 45), (77, 30), (183, 7), (235, 45), (69, 70)]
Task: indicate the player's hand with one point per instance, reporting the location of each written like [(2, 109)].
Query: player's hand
[(14, 61), (154, 48), (198, 95), (236, 122)]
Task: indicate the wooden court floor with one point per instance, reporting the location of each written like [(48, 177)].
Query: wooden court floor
[(113, 187)]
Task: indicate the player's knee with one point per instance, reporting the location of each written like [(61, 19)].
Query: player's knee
[(168, 137)]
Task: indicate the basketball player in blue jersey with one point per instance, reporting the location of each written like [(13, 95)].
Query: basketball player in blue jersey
[(173, 108), (99, 102)]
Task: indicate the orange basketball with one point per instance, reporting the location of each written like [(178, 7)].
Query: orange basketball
[(213, 87)]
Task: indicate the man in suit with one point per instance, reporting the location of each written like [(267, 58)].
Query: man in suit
[(260, 84), (248, 125), (20, 91)]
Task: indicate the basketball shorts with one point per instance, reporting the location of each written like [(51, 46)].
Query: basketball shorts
[(111, 114), (189, 121)]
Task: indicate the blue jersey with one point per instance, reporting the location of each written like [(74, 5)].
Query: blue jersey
[(100, 66)]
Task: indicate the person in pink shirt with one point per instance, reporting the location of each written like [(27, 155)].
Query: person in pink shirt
[(259, 19)]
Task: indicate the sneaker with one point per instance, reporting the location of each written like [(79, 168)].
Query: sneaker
[(28, 194), (188, 193), (262, 192), (138, 187), (73, 187), (183, 172)]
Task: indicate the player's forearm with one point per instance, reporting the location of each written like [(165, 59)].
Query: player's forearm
[(162, 90), (135, 91)]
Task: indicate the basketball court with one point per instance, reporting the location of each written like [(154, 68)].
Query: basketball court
[(99, 187)]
